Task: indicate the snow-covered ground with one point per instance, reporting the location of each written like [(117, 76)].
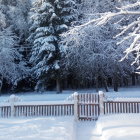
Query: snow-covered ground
[(34, 96), (113, 127), (119, 127), (133, 92), (36, 129)]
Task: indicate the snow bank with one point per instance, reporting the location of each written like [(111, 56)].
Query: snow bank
[(85, 130), (118, 127), (36, 129), (111, 127)]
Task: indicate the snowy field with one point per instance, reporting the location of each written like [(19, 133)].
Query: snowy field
[(113, 127), (133, 92), (36, 129), (119, 127)]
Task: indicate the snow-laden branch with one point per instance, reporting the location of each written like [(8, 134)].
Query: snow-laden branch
[(129, 6), (92, 46), (133, 44), (103, 19), (127, 28)]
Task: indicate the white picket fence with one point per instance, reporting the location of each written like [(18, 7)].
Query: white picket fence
[(82, 107), (30, 109)]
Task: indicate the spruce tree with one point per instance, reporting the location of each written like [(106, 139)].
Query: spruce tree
[(49, 19)]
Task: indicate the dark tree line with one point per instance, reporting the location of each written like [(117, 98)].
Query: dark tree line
[(40, 49)]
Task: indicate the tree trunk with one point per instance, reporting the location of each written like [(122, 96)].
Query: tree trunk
[(96, 84), (133, 79), (66, 83), (1, 83), (115, 82), (137, 78), (121, 82), (58, 86), (116, 87), (105, 85)]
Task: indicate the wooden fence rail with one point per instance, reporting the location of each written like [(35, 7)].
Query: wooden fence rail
[(44, 110), (83, 107), (88, 106), (37, 109), (5, 111), (121, 107), (88, 111), (88, 98)]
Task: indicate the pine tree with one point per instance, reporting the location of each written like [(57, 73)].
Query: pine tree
[(49, 19), (16, 16), (12, 67)]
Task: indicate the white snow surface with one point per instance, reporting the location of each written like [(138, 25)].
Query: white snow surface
[(40, 96), (123, 94), (129, 92), (109, 127), (119, 127), (36, 129), (112, 127)]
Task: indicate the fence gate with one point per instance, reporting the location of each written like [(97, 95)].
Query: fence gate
[(88, 106)]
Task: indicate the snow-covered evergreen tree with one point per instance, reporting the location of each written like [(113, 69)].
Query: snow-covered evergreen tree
[(49, 19), (12, 67), (16, 16), (16, 12)]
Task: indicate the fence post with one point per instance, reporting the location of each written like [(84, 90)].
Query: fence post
[(12, 100), (101, 102), (76, 106)]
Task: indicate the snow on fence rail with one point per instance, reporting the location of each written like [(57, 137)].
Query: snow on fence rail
[(82, 107), (86, 98)]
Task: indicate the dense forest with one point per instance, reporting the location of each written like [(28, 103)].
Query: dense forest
[(68, 44)]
